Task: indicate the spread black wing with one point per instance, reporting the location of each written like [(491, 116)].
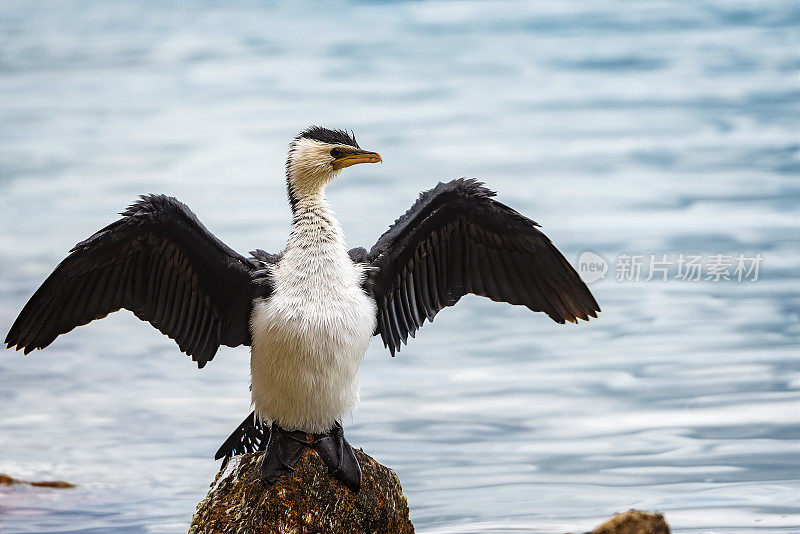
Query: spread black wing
[(162, 264), (456, 239)]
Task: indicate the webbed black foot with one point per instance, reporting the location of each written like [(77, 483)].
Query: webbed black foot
[(340, 457), (283, 449)]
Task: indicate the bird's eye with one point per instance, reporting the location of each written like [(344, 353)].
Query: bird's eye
[(336, 153)]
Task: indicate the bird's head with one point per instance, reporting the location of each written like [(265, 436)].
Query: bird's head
[(317, 155)]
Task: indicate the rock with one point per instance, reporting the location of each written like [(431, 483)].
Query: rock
[(307, 500), (6, 480), (634, 522)]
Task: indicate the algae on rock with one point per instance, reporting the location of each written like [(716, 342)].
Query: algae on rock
[(307, 500)]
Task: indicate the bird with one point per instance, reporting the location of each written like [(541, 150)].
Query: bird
[(309, 312)]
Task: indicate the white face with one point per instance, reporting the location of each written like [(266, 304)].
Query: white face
[(311, 166)]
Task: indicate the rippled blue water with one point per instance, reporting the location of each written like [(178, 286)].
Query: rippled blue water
[(639, 128)]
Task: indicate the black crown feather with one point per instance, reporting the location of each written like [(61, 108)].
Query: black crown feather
[(326, 135)]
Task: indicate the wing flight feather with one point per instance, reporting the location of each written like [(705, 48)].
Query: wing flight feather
[(456, 239), (161, 263)]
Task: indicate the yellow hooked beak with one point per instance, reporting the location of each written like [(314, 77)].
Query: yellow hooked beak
[(355, 156)]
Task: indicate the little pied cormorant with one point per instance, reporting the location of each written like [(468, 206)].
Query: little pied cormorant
[(309, 312)]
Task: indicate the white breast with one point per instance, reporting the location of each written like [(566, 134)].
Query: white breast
[(310, 335)]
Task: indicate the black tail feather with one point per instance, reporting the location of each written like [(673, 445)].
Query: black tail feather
[(250, 436)]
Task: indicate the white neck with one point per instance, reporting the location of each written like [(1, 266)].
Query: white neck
[(314, 226)]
